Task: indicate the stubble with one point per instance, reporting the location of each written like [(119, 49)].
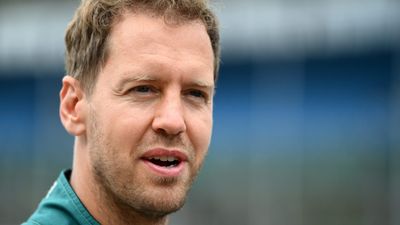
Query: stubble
[(124, 192)]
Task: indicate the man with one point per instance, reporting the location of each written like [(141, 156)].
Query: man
[(139, 100)]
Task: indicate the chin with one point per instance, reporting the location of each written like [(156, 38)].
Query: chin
[(155, 198), (159, 205)]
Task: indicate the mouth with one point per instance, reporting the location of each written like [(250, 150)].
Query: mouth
[(165, 162)]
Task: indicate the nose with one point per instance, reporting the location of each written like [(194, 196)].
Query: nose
[(169, 117)]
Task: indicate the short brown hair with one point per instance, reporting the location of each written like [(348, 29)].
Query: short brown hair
[(87, 34)]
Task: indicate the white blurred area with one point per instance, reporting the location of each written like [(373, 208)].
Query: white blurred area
[(291, 28), (32, 32)]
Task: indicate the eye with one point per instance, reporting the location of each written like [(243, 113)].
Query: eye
[(197, 94), (142, 89)]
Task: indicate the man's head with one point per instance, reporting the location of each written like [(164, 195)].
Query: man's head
[(139, 100)]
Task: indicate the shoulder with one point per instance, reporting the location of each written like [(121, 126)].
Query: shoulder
[(51, 213), (31, 222), (60, 206)]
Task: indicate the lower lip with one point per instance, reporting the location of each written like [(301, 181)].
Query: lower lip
[(166, 171)]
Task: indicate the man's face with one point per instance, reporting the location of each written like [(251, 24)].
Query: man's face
[(150, 114)]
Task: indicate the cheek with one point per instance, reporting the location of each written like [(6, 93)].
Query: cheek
[(200, 135), (126, 130)]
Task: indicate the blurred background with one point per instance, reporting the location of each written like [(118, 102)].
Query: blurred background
[(307, 113)]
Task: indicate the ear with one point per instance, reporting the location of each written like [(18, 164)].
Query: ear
[(73, 106)]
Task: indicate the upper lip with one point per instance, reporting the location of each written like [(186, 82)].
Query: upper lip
[(160, 152)]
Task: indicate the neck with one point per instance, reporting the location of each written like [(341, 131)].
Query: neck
[(99, 202)]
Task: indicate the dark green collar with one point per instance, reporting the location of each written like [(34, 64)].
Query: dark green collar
[(61, 206)]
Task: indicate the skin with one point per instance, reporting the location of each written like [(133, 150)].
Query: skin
[(154, 91)]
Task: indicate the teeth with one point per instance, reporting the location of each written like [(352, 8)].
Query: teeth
[(171, 159), (164, 158)]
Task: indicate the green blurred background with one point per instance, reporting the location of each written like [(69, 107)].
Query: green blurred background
[(307, 113)]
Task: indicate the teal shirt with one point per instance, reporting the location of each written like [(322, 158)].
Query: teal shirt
[(61, 206)]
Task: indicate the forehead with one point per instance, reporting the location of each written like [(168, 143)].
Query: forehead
[(142, 41), (151, 33)]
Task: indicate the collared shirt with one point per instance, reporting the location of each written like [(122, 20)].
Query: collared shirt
[(61, 206)]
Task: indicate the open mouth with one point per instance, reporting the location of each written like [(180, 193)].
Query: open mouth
[(165, 161)]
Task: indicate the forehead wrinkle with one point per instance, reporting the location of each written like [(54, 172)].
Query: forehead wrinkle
[(143, 36)]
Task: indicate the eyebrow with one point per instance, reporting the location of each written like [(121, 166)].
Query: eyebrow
[(203, 84), (128, 78)]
